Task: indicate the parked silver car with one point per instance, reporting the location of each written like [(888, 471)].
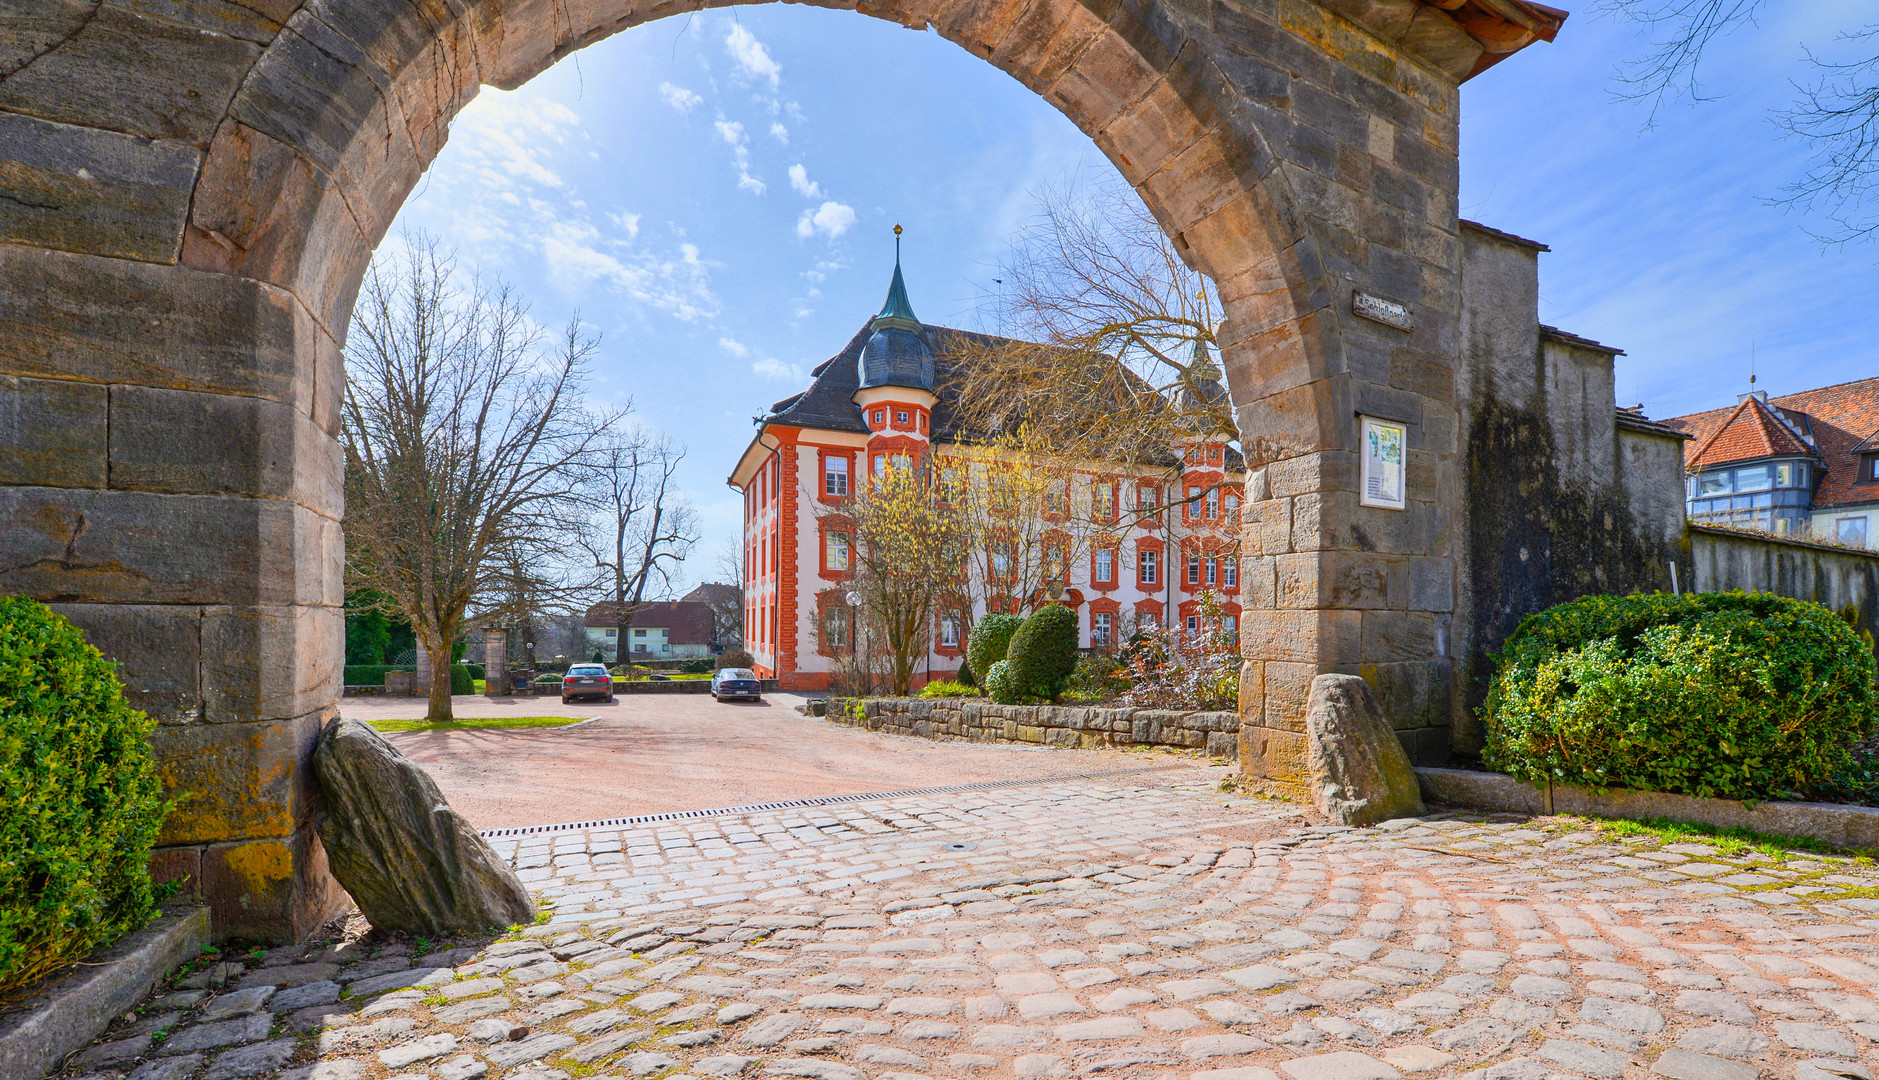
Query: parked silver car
[(587, 680)]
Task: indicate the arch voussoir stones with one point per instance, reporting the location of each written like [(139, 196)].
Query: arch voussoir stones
[(189, 198)]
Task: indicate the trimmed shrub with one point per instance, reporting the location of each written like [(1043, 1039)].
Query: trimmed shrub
[(82, 803), (476, 671), (1724, 695), (990, 640), (966, 678), (948, 688), (700, 666), (1043, 653), (735, 657), (999, 685), (460, 680), (370, 674)]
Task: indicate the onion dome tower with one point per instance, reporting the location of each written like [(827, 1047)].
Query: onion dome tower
[(895, 376)]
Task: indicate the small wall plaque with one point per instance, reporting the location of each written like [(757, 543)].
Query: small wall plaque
[(1384, 481), (1377, 309)]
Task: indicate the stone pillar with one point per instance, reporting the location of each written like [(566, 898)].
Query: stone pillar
[(171, 484), (421, 681), (495, 662)]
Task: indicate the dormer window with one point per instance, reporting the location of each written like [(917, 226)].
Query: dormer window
[(1869, 469), (900, 416), (880, 417)]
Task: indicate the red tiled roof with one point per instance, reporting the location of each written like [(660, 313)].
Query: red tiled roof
[(1842, 418), (687, 622)]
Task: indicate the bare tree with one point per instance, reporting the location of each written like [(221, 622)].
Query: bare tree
[(1835, 112), (461, 426), (726, 598), (909, 546), (643, 527)]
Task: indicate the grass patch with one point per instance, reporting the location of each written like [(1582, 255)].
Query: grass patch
[(476, 723), (1731, 842)]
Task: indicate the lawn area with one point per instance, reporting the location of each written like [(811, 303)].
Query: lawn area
[(476, 723)]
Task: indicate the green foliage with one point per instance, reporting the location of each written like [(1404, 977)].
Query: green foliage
[(1096, 678), (1726, 695), (948, 688), (81, 801), (999, 685), (461, 681), (371, 674), (966, 677), (735, 657), (372, 636), (1043, 653), (700, 666), (990, 640)]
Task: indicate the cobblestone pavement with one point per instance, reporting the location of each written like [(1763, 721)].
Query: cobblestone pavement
[(1138, 927)]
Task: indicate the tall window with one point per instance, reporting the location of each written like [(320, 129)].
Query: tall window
[(837, 627), (949, 630), (1213, 571), (1103, 500), (1001, 560), (1149, 569), (1057, 497), (1102, 628), (1233, 507), (1148, 500), (1193, 570), (1054, 562), (1213, 503), (1230, 573), (1193, 624), (835, 475), (837, 551), (1850, 530), (1105, 566), (1192, 511)]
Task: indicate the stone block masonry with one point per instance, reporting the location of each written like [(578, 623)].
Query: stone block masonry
[(974, 720)]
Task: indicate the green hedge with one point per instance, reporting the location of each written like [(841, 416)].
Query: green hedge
[(460, 680), (1041, 657), (987, 643), (1729, 695), (371, 674), (80, 802)]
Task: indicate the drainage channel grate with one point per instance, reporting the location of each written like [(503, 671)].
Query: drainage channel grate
[(831, 800)]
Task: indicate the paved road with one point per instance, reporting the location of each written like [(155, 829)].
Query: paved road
[(649, 754), (1099, 928)]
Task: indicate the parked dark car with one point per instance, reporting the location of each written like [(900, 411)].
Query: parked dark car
[(587, 681), (733, 683)]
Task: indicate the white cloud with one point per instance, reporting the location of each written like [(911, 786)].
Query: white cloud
[(754, 60), (732, 132), (747, 182), (734, 347), (779, 132), (830, 220), (679, 98), (799, 181), (629, 222), (771, 368)]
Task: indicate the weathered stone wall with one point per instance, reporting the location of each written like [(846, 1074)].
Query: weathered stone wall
[(1087, 727), (1559, 499), (1839, 578)]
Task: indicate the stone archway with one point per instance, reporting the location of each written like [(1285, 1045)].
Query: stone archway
[(188, 203)]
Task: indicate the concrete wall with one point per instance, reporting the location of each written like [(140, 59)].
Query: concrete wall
[(977, 720), (1838, 578)]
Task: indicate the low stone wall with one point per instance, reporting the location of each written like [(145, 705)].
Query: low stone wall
[(977, 720), (1840, 578)]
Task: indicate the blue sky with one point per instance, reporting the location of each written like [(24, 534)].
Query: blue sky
[(716, 196)]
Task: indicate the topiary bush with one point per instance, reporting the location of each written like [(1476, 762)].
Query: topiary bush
[(1726, 695), (1043, 653), (461, 681), (80, 802), (999, 685), (989, 641)]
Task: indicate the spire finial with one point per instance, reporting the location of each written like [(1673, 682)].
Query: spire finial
[(896, 243)]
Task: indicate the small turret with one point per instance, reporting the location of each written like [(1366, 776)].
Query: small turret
[(897, 353)]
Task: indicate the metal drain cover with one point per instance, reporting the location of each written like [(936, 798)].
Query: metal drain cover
[(957, 847)]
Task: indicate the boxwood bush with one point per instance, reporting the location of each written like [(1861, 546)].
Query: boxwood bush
[(1728, 695), (989, 640), (80, 803), (999, 685), (1043, 653)]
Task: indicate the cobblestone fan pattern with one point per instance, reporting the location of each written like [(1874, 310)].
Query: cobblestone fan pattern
[(1070, 930), (977, 720)]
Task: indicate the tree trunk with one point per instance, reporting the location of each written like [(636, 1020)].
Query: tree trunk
[(440, 685)]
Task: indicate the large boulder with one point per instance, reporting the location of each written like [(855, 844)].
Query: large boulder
[(1359, 773), (409, 860)]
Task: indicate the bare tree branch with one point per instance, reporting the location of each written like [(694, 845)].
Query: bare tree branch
[(1681, 31), (1838, 117)]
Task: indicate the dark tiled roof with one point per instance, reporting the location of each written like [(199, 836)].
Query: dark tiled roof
[(1569, 338), (687, 622), (1841, 419), (1492, 231)]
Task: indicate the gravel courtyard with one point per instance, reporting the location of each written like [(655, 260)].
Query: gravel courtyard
[(1140, 926), (653, 753)]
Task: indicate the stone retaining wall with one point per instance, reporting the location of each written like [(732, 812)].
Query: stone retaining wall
[(977, 720)]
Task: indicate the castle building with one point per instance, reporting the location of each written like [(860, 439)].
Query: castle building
[(884, 398)]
